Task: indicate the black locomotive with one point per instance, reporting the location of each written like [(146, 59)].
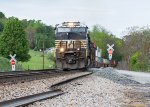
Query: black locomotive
[(73, 46)]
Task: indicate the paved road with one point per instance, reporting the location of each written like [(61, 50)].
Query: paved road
[(140, 77)]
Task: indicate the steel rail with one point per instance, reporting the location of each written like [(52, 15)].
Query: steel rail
[(16, 72), (31, 72), (36, 71), (12, 77), (31, 99), (69, 80), (22, 75)]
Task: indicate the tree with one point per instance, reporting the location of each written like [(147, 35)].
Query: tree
[(1, 26), (37, 33), (14, 40), (31, 35), (49, 30), (138, 62), (2, 15), (137, 41), (2, 21)]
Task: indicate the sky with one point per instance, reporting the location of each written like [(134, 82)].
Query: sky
[(114, 15)]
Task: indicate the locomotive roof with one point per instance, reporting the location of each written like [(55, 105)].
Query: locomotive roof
[(70, 24)]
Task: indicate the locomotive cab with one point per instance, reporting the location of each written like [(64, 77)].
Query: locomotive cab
[(71, 45)]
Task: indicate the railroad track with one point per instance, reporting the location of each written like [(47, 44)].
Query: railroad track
[(21, 76), (23, 101), (68, 80), (11, 77)]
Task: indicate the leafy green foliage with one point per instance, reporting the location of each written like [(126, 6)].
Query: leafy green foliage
[(2, 21), (4, 64), (37, 33), (1, 26), (134, 58), (14, 40), (137, 62), (2, 15), (51, 56)]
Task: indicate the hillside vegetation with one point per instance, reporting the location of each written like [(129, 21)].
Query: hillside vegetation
[(19, 36)]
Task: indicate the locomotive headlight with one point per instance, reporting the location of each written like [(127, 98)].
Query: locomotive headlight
[(78, 49), (61, 50), (70, 24)]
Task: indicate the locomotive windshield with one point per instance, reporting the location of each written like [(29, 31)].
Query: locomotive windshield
[(76, 29), (71, 33)]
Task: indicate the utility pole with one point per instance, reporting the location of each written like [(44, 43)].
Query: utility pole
[(43, 52)]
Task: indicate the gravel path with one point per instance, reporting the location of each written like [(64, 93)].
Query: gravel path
[(141, 77)]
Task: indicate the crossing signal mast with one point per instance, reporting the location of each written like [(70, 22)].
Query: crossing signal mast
[(13, 62), (110, 51)]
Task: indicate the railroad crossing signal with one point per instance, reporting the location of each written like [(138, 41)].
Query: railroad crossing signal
[(110, 51), (13, 61), (110, 47)]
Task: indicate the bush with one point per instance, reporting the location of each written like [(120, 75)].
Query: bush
[(138, 62), (134, 58), (51, 56), (141, 66), (6, 66)]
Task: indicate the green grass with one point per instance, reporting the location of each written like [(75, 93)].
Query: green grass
[(36, 61)]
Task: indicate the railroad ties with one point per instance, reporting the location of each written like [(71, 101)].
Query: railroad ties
[(23, 101), (19, 76)]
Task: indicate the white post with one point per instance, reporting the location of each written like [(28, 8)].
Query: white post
[(110, 57), (13, 67)]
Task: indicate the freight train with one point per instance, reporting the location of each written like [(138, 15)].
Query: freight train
[(74, 49)]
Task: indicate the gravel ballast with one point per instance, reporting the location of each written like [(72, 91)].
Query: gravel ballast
[(111, 74), (104, 88), (91, 91), (20, 89)]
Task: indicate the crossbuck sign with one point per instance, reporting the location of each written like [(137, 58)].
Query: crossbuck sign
[(110, 47), (110, 51)]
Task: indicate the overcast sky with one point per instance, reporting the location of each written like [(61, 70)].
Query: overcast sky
[(114, 15)]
